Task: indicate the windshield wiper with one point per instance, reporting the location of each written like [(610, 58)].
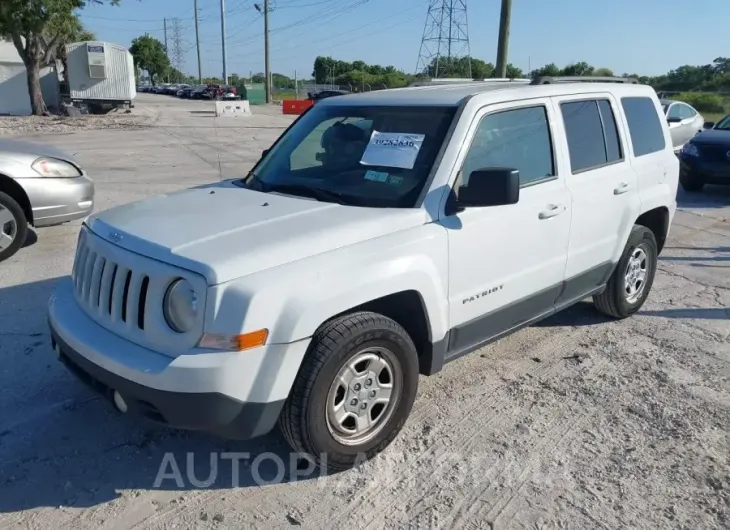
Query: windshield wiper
[(319, 194)]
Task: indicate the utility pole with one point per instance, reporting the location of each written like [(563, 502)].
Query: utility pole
[(164, 22), (197, 43), (223, 41), (267, 66), (503, 43)]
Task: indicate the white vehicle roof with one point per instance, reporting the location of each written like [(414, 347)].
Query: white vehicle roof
[(453, 95)]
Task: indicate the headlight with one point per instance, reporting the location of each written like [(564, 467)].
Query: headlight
[(690, 150), (180, 306), (53, 167)]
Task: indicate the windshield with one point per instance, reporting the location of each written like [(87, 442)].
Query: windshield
[(723, 124), (375, 156)]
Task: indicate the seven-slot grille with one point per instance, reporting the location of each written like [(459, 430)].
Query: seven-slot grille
[(107, 289)]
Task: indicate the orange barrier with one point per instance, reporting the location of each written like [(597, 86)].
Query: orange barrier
[(295, 106)]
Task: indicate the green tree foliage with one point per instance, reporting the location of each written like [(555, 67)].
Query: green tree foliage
[(359, 76), (36, 28), (72, 30), (702, 101), (149, 54)]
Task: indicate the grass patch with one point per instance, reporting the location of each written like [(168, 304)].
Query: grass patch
[(281, 96)]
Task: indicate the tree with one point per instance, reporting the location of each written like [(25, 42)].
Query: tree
[(35, 28), (149, 54), (72, 30)]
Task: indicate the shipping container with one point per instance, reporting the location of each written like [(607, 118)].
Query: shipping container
[(100, 75)]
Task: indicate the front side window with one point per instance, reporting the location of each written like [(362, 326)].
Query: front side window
[(686, 112), (519, 139), (723, 124), (675, 111), (373, 156)]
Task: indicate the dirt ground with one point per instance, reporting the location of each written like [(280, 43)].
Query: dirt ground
[(578, 422)]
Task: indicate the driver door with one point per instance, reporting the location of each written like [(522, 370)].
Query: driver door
[(507, 263)]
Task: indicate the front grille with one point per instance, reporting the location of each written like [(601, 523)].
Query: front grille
[(123, 292), (109, 289), (715, 153)]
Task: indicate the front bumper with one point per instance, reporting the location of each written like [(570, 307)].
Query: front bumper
[(709, 171), (59, 200), (236, 395)]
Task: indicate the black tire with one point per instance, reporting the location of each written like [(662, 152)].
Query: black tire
[(9, 204), (304, 422), (614, 301), (690, 182)]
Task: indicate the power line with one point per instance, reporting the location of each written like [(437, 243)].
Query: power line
[(390, 17)]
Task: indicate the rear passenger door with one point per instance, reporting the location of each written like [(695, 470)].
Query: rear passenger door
[(603, 186)]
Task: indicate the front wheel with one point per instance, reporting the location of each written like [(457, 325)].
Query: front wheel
[(354, 391), (13, 226), (631, 281)]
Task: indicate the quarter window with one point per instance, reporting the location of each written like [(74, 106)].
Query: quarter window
[(590, 128), (519, 139), (645, 129)]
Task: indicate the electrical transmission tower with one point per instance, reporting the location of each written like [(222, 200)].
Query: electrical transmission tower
[(177, 55), (445, 40)]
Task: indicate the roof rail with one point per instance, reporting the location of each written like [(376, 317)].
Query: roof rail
[(465, 81), (546, 80)]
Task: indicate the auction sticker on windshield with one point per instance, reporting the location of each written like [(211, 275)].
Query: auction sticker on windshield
[(392, 149)]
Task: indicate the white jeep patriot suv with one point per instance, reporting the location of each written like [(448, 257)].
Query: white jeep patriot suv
[(383, 235)]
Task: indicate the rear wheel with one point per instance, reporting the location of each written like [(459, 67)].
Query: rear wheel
[(13, 226), (354, 391), (631, 281)]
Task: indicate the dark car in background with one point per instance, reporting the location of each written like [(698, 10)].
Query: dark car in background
[(705, 159), (322, 94)]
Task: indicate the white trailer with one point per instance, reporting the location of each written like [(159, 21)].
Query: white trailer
[(100, 75)]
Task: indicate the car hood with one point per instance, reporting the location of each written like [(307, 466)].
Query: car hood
[(712, 137), (28, 152), (224, 232)]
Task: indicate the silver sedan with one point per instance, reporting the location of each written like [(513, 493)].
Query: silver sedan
[(684, 122), (39, 186)]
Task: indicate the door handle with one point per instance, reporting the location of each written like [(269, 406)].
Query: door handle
[(622, 188), (551, 211)]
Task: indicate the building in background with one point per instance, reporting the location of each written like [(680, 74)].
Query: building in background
[(14, 98)]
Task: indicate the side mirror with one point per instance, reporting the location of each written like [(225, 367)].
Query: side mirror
[(708, 125), (496, 186), (264, 153), (674, 120)]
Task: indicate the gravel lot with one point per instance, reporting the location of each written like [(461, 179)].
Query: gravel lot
[(574, 423)]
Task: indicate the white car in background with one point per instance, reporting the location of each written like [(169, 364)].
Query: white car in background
[(684, 122)]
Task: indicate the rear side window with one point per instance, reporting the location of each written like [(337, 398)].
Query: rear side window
[(645, 129), (593, 139)]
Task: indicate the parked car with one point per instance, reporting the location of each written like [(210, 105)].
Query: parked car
[(322, 94), (684, 121), (313, 291), (39, 186), (705, 159)]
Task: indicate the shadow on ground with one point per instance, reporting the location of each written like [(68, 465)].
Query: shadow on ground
[(709, 197), (79, 451)]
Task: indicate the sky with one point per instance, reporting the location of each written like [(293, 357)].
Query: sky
[(648, 37)]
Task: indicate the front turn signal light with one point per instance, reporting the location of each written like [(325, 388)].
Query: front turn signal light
[(246, 341)]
